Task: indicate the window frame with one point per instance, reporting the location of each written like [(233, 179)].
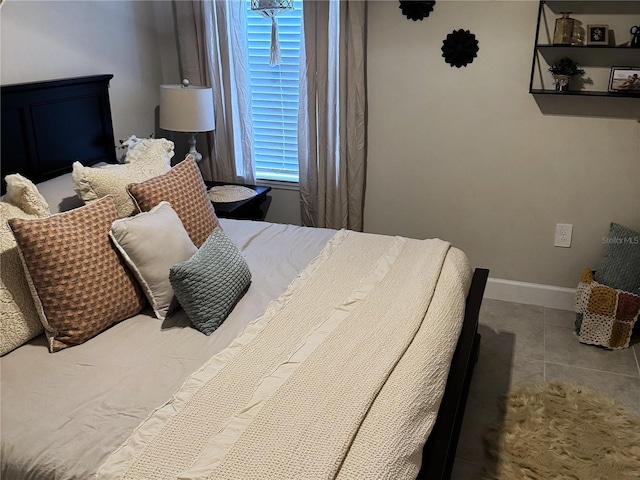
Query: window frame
[(275, 145)]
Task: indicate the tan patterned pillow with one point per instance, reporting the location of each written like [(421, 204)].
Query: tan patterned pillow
[(79, 283), (184, 188), (93, 183), (19, 320)]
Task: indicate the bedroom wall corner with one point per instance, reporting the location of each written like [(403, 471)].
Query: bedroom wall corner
[(465, 154), (45, 40)]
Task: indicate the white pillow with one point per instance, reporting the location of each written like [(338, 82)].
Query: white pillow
[(151, 242), (145, 159), (19, 320), (94, 183), (148, 150), (22, 193)]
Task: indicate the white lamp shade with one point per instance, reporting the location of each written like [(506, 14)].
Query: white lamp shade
[(186, 109)]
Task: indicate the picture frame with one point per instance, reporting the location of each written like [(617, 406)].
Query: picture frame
[(597, 34), (625, 80)]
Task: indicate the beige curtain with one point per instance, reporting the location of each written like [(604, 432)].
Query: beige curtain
[(212, 52), (332, 114)]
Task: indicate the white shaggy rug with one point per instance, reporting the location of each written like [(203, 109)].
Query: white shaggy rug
[(564, 431)]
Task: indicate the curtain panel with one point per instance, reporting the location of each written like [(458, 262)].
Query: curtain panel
[(332, 114), (212, 52)]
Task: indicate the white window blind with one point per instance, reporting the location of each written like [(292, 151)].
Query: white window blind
[(274, 94)]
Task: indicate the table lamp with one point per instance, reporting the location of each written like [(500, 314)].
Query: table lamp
[(187, 108)]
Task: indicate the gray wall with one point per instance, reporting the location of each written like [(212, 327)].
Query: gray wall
[(45, 40), (466, 154)]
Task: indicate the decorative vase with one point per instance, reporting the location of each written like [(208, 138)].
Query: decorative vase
[(562, 82), (578, 37), (563, 33)]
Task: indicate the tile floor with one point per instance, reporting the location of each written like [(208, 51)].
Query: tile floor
[(530, 344)]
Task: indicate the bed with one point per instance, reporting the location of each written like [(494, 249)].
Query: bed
[(85, 410)]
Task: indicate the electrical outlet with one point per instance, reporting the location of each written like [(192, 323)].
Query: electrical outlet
[(564, 231)]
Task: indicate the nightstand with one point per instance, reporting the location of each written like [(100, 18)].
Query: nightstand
[(254, 208)]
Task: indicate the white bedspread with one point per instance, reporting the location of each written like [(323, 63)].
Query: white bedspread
[(291, 395), (63, 414)]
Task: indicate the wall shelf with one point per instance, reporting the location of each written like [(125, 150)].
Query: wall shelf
[(595, 7), (592, 55), (585, 93), (596, 60)]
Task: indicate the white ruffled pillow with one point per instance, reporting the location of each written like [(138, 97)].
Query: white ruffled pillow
[(146, 159), (19, 320), (22, 193), (148, 150)]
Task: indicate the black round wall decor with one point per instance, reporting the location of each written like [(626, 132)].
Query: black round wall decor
[(460, 48), (416, 10)]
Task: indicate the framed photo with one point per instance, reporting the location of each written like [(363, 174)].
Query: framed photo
[(598, 34), (625, 79)]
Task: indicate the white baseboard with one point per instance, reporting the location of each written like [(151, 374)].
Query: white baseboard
[(531, 293)]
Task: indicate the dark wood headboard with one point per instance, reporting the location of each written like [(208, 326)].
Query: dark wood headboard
[(46, 126)]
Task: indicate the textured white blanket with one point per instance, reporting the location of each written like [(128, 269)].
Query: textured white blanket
[(302, 393)]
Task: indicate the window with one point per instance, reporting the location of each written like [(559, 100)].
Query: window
[(275, 94)]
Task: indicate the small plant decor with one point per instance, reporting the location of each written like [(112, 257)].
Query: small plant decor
[(566, 66), (562, 71)]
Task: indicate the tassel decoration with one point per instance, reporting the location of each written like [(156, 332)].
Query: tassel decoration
[(271, 9), (274, 58)]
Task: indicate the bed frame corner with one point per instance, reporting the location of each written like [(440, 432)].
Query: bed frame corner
[(440, 449)]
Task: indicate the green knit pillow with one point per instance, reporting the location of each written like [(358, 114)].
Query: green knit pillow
[(211, 282), (620, 266)]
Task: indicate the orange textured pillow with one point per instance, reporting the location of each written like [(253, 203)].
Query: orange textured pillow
[(184, 189), (79, 283)]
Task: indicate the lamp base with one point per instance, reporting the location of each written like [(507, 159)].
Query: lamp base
[(191, 140)]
